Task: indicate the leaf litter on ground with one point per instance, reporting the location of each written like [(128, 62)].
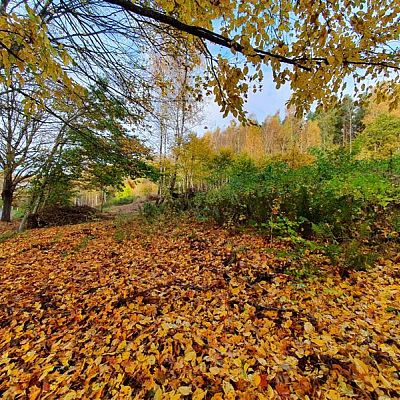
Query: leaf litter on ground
[(189, 311)]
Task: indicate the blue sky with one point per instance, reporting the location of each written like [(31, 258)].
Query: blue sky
[(261, 104)]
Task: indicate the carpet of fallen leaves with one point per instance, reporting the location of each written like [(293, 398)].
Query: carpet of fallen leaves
[(189, 311)]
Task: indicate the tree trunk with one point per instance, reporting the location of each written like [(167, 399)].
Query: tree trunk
[(173, 180), (24, 222), (32, 208), (7, 196)]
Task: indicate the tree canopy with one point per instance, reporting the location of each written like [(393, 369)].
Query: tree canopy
[(313, 45)]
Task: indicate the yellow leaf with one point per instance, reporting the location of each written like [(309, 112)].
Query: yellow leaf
[(119, 379), (179, 336), (333, 395), (198, 340), (190, 355), (371, 381), (214, 370), (129, 367), (34, 392), (227, 387), (185, 390), (319, 342), (262, 361), (308, 328), (287, 324), (235, 290), (222, 350), (245, 368), (45, 371), (126, 391), (198, 394), (384, 381), (121, 346), (29, 356), (256, 379), (158, 394), (141, 357), (173, 396), (70, 395), (271, 392), (361, 367)]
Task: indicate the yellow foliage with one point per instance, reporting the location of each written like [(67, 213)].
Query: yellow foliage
[(27, 52), (144, 187)]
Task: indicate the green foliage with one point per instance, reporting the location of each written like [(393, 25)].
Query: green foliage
[(121, 201), (7, 235), (83, 243), (127, 191), (101, 151), (123, 227), (122, 197), (219, 166), (151, 211), (104, 162), (351, 256), (335, 198), (282, 227), (61, 189), (18, 213), (356, 257), (381, 138), (340, 124), (99, 154)]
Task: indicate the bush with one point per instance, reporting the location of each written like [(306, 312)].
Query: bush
[(351, 256), (151, 211), (336, 198), (62, 215)]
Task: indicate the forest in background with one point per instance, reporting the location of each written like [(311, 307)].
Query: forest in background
[(368, 131)]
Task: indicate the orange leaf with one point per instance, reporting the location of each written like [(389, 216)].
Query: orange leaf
[(283, 390), (34, 393), (264, 381)]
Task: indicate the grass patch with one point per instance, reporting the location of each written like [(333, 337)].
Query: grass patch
[(7, 235), (83, 243)]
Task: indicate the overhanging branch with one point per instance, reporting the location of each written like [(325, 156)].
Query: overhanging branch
[(200, 32), (216, 38)]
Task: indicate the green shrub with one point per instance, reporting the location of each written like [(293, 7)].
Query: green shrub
[(123, 227), (151, 211), (337, 198), (351, 256)]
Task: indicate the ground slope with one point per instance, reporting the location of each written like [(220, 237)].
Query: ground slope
[(125, 310)]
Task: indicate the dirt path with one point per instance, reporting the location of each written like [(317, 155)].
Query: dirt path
[(127, 208)]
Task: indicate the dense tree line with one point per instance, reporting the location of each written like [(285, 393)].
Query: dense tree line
[(365, 131)]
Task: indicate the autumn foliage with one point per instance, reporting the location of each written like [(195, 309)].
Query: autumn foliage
[(125, 309), (294, 295)]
